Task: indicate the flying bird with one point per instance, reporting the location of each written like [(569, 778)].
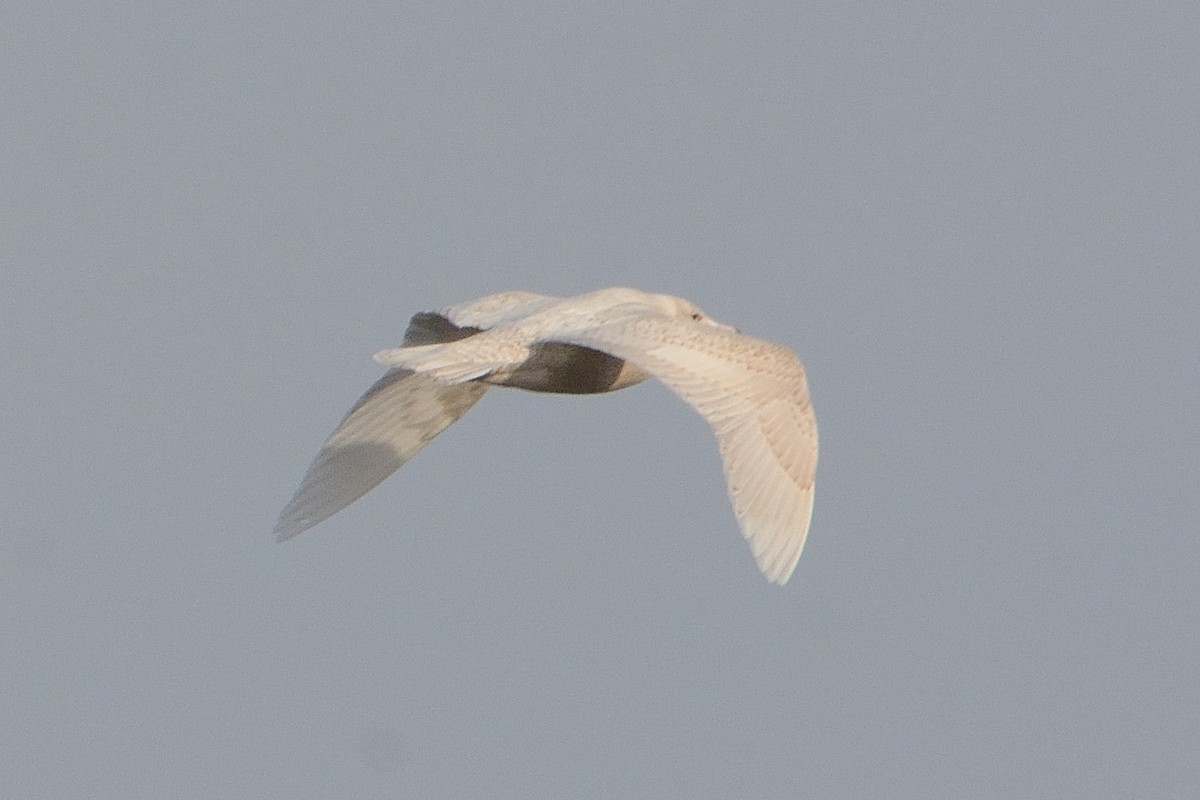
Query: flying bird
[(752, 392)]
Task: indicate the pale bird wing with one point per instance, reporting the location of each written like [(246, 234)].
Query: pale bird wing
[(755, 396), (495, 309), (397, 416), (388, 425)]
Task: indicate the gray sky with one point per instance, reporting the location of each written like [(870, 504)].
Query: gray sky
[(978, 228)]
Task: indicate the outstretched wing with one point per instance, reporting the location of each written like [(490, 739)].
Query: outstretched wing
[(388, 425), (754, 395)]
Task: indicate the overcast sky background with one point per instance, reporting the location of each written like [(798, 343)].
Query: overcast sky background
[(979, 228)]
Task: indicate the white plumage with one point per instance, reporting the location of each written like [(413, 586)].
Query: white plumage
[(753, 393)]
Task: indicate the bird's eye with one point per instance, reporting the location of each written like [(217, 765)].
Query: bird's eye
[(697, 316)]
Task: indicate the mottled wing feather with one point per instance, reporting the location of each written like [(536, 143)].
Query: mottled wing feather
[(487, 312), (754, 395)]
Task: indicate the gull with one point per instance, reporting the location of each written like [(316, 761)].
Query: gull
[(753, 394)]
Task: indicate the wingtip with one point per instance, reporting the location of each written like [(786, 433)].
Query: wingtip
[(288, 528), (778, 580), (778, 563), (781, 578), (385, 357), (781, 571)]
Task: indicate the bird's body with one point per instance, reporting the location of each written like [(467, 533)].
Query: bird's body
[(753, 393)]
